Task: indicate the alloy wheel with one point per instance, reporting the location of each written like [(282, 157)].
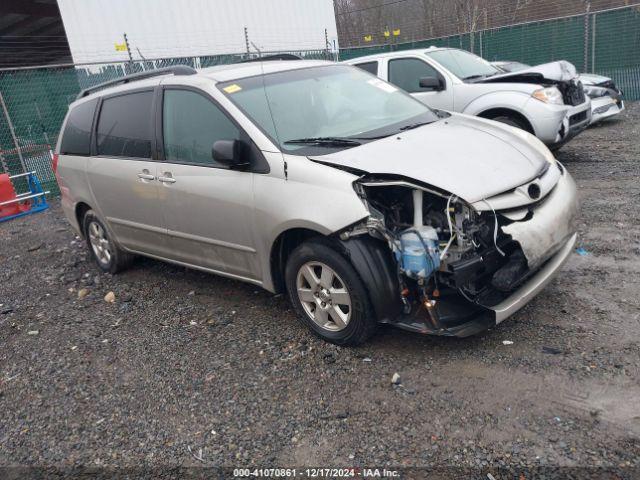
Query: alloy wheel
[(99, 243), (324, 296)]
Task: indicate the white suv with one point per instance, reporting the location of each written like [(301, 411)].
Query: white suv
[(546, 101)]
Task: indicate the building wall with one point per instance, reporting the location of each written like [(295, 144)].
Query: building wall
[(172, 28)]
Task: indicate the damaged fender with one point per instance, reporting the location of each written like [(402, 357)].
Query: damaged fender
[(372, 260)]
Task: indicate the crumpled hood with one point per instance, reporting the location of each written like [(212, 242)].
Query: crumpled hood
[(470, 157), (592, 79), (560, 71)]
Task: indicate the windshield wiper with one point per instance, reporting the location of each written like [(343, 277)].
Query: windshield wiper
[(411, 126), (328, 141), (478, 77)]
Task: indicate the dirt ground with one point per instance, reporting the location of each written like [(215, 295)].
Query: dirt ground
[(189, 369)]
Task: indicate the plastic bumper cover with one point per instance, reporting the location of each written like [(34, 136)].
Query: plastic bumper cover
[(524, 294), (605, 107)]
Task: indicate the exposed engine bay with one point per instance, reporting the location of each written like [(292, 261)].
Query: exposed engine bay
[(450, 257)]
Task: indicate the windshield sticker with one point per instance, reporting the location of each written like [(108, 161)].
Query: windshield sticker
[(376, 82), (232, 88)]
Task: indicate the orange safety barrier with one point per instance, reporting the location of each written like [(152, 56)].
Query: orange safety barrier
[(7, 194)]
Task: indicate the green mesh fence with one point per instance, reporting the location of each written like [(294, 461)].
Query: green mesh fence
[(35, 102), (607, 43), (537, 43)]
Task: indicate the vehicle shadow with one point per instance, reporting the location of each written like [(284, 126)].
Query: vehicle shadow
[(212, 289)]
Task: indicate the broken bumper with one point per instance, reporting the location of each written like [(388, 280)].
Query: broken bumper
[(605, 107), (478, 319), (552, 223), (547, 239), (576, 120), (524, 294), (555, 125)]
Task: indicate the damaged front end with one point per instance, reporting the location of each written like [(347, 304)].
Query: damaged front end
[(443, 266)]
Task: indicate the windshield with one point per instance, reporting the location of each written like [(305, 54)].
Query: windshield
[(322, 109), (464, 65)]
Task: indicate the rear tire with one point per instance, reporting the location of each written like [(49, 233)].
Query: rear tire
[(105, 252), (328, 295)]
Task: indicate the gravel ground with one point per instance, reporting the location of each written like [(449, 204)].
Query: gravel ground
[(189, 369)]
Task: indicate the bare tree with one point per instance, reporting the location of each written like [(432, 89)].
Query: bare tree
[(424, 19)]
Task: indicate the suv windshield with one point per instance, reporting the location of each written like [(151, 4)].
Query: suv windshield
[(318, 110), (464, 65)]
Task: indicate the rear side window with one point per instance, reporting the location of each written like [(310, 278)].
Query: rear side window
[(191, 125), (407, 72), (371, 67), (76, 139), (125, 126)]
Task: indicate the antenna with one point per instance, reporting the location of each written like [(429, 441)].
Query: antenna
[(266, 96)]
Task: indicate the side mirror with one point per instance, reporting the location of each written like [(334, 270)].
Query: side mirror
[(432, 83), (230, 152)]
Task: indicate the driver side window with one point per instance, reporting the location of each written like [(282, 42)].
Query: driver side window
[(191, 123), (407, 72)]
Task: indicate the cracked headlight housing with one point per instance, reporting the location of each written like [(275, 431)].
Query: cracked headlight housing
[(549, 95)]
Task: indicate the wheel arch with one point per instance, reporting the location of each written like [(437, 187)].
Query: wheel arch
[(80, 211), (282, 247), (507, 112), (371, 259)]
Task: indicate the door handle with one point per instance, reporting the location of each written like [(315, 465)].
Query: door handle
[(146, 176), (168, 179)]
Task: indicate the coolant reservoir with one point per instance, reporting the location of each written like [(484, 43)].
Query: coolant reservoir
[(419, 262)]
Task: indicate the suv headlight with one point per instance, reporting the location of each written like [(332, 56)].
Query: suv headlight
[(549, 95), (595, 92)]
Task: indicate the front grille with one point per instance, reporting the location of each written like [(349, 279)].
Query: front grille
[(577, 118), (573, 93)]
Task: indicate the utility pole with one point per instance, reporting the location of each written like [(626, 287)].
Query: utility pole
[(586, 36), (126, 42), (326, 42), (246, 38)]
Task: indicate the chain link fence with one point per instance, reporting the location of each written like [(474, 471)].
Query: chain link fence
[(605, 42), (34, 102)]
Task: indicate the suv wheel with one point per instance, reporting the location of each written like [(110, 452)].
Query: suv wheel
[(102, 248), (328, 295)]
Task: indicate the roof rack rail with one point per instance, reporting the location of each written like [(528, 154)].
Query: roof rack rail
[(175, 70), (275, 56)]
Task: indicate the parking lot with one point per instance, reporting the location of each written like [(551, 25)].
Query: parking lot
[(189, 369)]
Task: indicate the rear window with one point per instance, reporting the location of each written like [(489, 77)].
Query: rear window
[(371, 67), (124, 127), (76, 139)]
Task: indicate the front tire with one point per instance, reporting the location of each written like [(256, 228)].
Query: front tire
[(328, 295), (106, 253)]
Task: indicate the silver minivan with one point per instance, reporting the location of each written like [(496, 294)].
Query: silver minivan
[(323, 181)]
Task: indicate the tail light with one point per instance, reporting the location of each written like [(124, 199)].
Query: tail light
[(54, 163)]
